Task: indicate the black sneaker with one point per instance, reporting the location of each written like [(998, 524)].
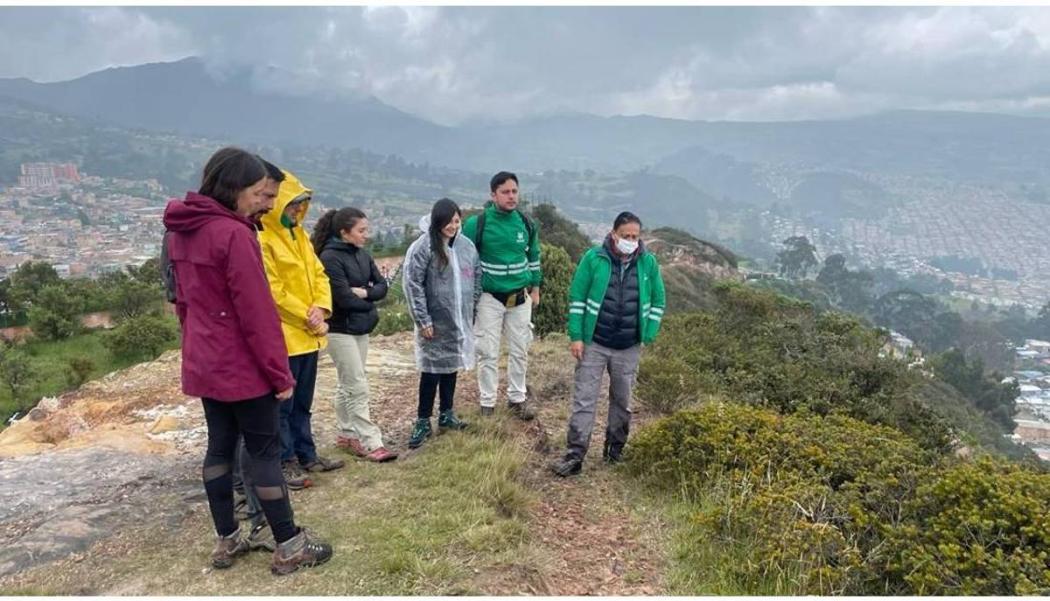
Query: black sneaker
[(570, 465), (522, 411), (487, 411)]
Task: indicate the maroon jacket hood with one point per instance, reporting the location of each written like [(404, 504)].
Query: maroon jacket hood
[(191, 214)]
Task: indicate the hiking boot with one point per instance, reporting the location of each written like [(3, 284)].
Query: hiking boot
[(240, 507), (448, 420), (612, 454), (227, 548), (294, 476), (351, 445), (261, 538), (570, 465), (320, 464), (304, 550), (487, 411), (381, 455), (522, 411), (420, 432)]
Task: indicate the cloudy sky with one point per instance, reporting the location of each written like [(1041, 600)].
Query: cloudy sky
[(474, 63)]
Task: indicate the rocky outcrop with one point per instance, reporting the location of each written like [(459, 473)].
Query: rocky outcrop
[(124, 448)]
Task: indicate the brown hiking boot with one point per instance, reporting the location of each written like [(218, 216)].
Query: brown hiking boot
[(227, 548), (522, 411), (320, 464), (294, 476), (304, 550), (261, 538)]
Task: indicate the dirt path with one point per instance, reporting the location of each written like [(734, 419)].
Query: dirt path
[(121, 456)]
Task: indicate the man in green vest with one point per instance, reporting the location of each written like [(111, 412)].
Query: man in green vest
[(616, 302), (508, 244)]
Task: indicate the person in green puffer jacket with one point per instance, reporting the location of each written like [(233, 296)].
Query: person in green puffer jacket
[(616, 303)]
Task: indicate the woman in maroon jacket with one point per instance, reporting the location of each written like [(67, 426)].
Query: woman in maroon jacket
[(233, 353)]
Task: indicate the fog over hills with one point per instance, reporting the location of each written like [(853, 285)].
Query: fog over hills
[(260, 105)]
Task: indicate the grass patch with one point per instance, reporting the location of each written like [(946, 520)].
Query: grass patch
[(429, 523)]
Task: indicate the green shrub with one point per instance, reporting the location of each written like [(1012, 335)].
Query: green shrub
[(692, 447), (55, 313), (980, 528), (80, 369), (393, 318), (831, 504), (775, 352), (553, 311), (143, 337)]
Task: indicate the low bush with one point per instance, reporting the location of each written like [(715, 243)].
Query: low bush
[(143, 337), (775, 352), (831, 504), (393, 318)]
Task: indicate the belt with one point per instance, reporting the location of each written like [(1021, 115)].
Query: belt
[(510, 299)]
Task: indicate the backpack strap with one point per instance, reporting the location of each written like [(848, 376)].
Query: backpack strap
[(480, 227), (529, 228)]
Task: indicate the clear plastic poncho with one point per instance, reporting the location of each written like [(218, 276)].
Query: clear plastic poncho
[(444, 298)]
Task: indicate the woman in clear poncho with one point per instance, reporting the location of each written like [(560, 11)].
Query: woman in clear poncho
[(442, 282)]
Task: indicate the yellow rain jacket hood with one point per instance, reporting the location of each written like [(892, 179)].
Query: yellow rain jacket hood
[(297, 278)]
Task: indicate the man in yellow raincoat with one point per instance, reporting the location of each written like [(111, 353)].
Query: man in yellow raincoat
[(304, 300)]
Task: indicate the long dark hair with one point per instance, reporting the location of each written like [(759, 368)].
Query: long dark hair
[(229, 171), (333, 222), (440, 216)]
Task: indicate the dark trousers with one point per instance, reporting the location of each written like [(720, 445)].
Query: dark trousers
[(242, 482), (256, 421), (428, 386), (297, 439)]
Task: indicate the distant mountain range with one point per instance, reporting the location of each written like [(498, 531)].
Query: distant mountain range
[(711, 178), (185, 97)]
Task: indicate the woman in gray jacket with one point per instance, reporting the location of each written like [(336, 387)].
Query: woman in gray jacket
[(442, 282)]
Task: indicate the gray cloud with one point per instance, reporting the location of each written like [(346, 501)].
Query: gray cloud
[(456, 64)]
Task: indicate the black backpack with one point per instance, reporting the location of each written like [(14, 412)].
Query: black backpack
[(529, 228), (167, 269)]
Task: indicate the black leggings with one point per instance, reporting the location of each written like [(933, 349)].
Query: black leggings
[(428, 386), (257, 420)]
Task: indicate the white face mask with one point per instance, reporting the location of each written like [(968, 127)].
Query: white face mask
[(626, 246)]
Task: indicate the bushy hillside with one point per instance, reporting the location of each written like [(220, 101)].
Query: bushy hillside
[(811, 464)]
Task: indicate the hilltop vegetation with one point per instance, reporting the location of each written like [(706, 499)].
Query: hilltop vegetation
[(806, 463)]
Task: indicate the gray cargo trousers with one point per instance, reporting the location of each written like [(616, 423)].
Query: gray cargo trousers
[(622, 366)]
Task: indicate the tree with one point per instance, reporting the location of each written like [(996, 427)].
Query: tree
[(908, 312), (797, 257), (1041, 324), (995, 399), (556, 230), (553, 311), (848, 290), (28, 280), (55, 313), (142, 337), (134, 297), (16, 372), (148, 272)]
